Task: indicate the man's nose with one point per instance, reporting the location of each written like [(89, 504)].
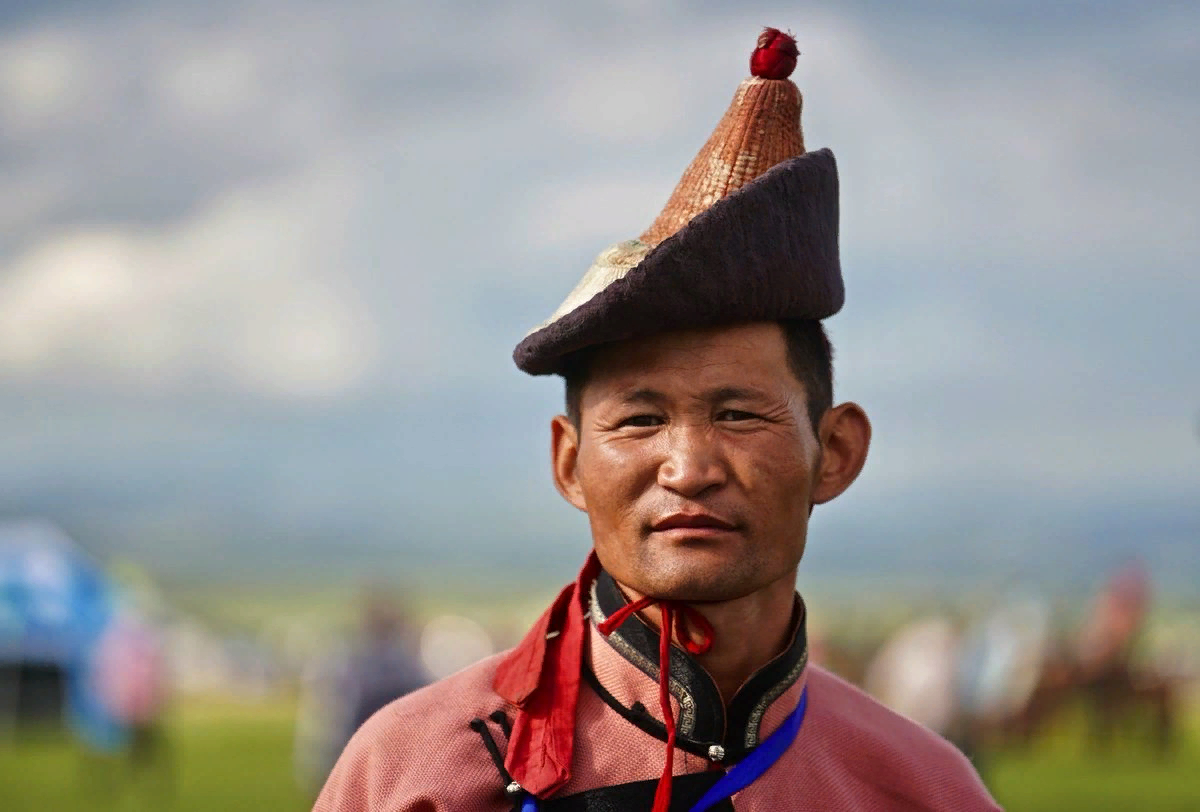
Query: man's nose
[(693, 463)]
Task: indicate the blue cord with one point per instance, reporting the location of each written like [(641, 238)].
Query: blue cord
[(761, 759)]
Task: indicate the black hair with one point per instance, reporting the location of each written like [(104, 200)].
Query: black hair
[(810, 358)]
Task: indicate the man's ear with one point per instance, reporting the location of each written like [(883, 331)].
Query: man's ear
[(845, 435), (564, 460)]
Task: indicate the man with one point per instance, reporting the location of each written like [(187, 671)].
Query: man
[(700, 432)]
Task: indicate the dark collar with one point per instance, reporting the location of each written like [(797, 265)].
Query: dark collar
[(704, 722)]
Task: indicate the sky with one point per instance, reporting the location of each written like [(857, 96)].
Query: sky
[(263, 264)]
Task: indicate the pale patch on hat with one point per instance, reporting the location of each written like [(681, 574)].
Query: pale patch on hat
[(611, 264)]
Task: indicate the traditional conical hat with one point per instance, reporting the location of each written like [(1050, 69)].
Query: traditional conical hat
[(749, 234)]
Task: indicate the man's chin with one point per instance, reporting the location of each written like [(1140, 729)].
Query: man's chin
[(692, 583)]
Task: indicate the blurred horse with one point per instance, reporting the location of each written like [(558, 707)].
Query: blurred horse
[(1005, 679), (1097, 670)]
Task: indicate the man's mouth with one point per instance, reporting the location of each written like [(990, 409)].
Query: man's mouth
[(692, 521)]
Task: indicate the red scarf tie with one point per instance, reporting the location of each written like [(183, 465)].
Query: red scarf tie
[(675, 616)]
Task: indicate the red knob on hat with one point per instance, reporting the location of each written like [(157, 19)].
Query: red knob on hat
[(775, 56)]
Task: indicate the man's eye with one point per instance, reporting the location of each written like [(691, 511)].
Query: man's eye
[(642, 421), (734, 414)]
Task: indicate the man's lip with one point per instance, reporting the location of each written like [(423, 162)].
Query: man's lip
[(691, 521)]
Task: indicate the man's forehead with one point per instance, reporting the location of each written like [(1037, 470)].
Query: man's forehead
[(715, 393), (728, 353)]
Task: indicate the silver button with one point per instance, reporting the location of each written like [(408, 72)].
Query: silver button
[(716, 753), (514, 789)]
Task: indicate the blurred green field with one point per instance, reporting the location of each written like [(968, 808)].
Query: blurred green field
[(235, 757), (1064, 771), (221, 756)]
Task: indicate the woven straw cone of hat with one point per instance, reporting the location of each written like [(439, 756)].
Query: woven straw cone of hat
[(760, 129)]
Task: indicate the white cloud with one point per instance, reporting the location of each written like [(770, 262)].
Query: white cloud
[(629, 99), (970, 149), (591, 210), (40, 76), (242, 294), (212, 81)]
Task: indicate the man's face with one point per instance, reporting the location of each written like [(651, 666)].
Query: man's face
[(695, 461)]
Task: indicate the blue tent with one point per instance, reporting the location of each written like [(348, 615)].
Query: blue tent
[(55, 604)]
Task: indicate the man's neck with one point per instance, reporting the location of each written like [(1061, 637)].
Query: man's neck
[(748, 632)]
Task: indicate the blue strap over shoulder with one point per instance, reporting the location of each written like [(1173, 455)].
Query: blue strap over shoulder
[(760, 759)]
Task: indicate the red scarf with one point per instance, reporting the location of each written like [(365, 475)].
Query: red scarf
[(541, 677)]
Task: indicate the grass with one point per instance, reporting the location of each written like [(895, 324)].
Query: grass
[(236, 757), (1064, 771), (218, 756)]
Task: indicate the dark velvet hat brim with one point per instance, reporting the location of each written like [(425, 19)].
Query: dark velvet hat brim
[(767, 252)]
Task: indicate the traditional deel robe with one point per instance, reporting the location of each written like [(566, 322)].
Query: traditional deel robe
[(448, 747)]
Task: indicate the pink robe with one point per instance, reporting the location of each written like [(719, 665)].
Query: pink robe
[(852, 753)]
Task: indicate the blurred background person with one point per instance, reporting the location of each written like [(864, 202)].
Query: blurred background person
[(344, 685)]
